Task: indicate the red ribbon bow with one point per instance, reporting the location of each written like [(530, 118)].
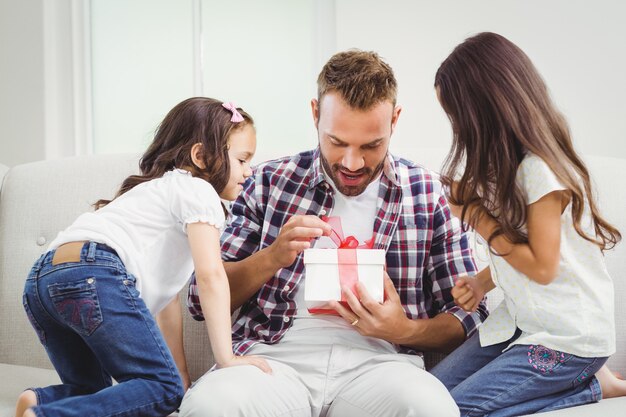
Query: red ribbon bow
[(336, 235)]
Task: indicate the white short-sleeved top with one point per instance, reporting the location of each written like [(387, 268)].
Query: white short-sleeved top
[(147, 227), (572, 314)]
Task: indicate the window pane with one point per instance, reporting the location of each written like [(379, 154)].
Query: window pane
[(258, 54), (142, 66)]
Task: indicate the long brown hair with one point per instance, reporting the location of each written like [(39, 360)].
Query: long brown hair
[(195, 120), (500, 110)]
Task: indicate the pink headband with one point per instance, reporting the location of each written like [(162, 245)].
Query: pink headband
[(237, 117)]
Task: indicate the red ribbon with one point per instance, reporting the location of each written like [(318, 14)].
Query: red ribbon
[(336, 235), (346, 254)]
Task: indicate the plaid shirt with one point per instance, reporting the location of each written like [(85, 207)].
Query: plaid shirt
[(425, 246)]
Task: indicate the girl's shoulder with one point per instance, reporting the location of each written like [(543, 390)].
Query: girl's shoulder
[(192, 199), (532, 166), (184, 185), (536, 178), (181, 177), (531, 163)]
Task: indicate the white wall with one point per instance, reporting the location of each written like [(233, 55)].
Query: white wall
[(262, 61), (577, 45), (266, 56), (260, 58), (21, 82), (142, 66)]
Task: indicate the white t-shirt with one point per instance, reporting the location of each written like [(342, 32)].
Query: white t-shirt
[(572, 314), (147, 228)]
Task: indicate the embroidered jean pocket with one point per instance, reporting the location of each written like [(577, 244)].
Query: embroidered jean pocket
[(544, 359), (33, 322), (77, 304)]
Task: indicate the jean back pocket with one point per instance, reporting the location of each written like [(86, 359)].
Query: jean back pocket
[(77, 304)]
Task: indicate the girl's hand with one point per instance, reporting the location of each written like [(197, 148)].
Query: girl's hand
[(468, 293), (247, 360)]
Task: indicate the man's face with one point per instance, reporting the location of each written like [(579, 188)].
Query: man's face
[(353, 143)]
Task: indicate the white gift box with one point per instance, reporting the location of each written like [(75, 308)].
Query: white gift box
[(328, 269)]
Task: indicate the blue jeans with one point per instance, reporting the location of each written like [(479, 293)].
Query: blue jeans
[(526, 379), (94, 326)]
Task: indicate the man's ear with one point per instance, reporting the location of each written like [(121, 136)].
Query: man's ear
[(315, 110), (394, 117), (197, 155)]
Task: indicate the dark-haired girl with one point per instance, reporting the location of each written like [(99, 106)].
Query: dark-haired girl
[(515, 178), (91, 298)]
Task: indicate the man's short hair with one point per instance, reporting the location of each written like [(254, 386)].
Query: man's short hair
[(362, 79)]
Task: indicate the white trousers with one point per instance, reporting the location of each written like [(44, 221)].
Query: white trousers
[(322, 372)]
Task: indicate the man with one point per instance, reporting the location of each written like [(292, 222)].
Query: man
[(366, 361)]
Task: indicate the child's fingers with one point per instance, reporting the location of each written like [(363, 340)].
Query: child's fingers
[(458, 291), (461, 282), (260, 363), (466, 299)]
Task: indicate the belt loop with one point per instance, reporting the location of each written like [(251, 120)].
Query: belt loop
[(91, 252)]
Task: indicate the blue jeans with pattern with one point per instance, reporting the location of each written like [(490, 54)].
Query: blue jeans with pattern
[(526, 379), (95, 326)]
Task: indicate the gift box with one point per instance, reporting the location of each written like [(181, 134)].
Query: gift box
[(327, 270)]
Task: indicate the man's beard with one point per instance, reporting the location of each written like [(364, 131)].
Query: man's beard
[(349, 190)]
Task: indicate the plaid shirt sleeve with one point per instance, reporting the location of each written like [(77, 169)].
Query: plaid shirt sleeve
[(239, 240), (451, 257)]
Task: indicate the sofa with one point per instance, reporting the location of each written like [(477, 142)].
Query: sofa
[(39, 199)]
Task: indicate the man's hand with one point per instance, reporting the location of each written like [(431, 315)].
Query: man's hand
[(296, 236), (386, 321)]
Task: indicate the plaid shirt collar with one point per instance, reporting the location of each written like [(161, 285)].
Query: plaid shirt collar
[(316, 176)]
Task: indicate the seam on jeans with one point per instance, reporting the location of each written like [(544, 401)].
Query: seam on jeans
[(480, 409), (41, 334), (38, 397), (173, 370), (596, 389), (38, 412), (81, 264), (41, 305), (33, 389), (584, 374), (125, 412)]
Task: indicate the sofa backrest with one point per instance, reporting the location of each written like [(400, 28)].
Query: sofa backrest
[(39, 199)]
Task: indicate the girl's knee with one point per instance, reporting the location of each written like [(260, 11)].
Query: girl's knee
[(173, 393)]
